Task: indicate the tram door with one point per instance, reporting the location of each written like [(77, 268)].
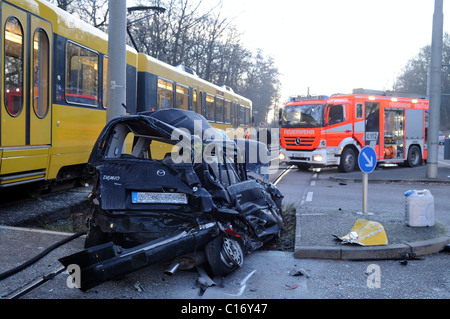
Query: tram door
[(25, 89)]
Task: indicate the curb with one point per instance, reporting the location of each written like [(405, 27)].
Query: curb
[(395, 251), (381, 181)]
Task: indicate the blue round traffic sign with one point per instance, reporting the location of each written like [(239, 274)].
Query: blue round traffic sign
[(367, 159)]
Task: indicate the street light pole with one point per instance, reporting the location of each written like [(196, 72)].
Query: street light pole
[(435, 89), (116, 58)]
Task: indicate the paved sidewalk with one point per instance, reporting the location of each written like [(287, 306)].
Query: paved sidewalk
[(315, 228)]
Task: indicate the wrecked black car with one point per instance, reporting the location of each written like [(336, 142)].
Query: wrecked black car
[(170, 187)]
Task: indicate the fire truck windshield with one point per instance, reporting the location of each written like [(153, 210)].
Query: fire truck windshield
[(310, 115)]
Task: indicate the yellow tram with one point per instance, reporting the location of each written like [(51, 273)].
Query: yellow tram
[(53, 92)]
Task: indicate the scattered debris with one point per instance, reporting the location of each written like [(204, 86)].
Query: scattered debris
[(243, 285), (204, 281), (365, 233), (138, 286), (219, 290), (300, 271), (447, 248), (410, 256), (291, 286)]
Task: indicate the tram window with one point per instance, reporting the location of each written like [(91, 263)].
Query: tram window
[(105, 82), (209, 107), (227, 112), (40, 73), (13, 66), (81, 75), (241, 115), (242, 119), (182, 96), (219, 110), (247, 115), (165, 94), (195, 102)]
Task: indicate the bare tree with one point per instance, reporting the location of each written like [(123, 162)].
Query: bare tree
[(66, 5), (95, 12), (199, 37), (413, 78), (262, 85)]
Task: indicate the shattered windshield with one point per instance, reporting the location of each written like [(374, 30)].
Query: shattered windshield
[(307, 116)]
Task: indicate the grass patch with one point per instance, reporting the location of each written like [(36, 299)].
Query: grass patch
[(75, 223), (286, 241)]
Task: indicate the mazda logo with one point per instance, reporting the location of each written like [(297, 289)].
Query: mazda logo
[(298, 141), (160, 172)]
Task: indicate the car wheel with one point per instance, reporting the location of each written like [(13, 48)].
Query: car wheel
[(414, 157), (348, 160), (224, 255)]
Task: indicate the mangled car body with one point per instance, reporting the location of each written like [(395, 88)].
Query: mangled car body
[(171, 187)]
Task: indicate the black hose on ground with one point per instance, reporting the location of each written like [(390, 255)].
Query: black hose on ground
[(28, 263)]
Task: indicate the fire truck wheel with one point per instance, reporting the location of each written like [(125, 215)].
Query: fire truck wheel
[(414, 157), (348, 160)]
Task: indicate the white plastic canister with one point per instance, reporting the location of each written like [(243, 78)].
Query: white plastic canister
[(419, 208)]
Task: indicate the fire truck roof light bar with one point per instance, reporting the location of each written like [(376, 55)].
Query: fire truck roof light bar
[(308, 98), (361, 91), (389, 93)]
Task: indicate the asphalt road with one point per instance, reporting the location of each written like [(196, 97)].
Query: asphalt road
[(265, 275)]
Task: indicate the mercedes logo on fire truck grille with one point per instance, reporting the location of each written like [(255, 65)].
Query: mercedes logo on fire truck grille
[(298, 141)]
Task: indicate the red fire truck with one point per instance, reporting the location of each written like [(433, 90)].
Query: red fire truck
[(330, 131)]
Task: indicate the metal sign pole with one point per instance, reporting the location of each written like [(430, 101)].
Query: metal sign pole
[(435, 89), (117, 64), (367, 160), (365, 181)]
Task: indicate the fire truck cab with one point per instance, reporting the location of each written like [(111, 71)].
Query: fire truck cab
[(331, 130)]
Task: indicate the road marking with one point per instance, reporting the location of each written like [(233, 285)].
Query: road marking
[(282, 175), (443, 163), (309, 195)]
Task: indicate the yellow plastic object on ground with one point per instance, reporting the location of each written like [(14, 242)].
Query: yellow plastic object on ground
[(366, 233)]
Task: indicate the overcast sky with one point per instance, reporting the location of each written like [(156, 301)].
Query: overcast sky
[(334, 46)]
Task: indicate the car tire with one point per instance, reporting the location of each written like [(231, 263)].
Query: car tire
[(224, 255)]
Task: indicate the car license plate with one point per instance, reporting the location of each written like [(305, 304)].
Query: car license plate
[(158, 198)]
